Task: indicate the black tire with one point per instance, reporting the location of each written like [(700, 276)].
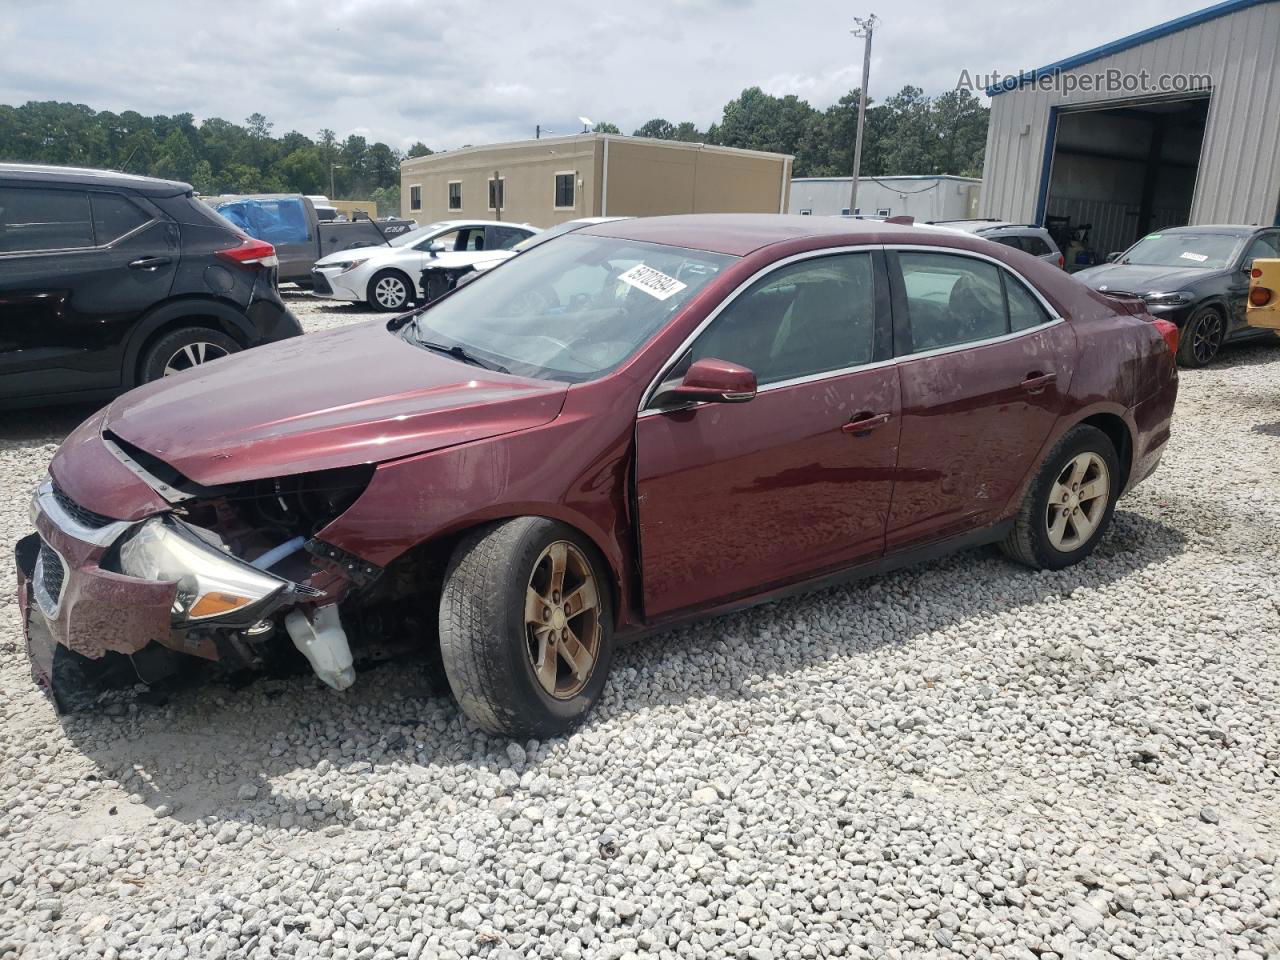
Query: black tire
[(378, 299), (1029, 541), (1201, 337), (487, 645), (181, 349)]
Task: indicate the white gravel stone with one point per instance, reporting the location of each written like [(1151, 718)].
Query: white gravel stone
[(960, 759)]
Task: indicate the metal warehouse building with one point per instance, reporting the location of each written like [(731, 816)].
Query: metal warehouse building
[(925, 197), (548, 181), (1140, 143)]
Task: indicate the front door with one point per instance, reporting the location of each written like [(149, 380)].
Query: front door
[(734, 499), (984, 368)]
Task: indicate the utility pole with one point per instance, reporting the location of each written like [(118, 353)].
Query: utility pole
[(866, 26)]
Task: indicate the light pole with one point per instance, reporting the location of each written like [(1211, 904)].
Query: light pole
[(332, 167), (866, 26), (586, 124)]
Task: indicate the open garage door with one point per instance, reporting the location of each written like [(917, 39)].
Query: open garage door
[(1124, 170)]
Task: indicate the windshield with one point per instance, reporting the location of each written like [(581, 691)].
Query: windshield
[(571, 310), (413, 236), (1208, 250)]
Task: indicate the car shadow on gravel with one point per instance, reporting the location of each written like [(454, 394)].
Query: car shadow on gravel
[(50, 424), (287, 751)]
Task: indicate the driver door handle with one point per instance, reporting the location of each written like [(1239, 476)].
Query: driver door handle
[(865, 423), (1037, 381), (150, 263)]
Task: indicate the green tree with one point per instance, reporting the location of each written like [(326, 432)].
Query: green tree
[(176, 158), (657, 129), (605, 128), (420, 149), (304, 171), (388, 201)]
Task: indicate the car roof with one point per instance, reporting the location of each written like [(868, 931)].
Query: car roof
[(1226, 229), (86, 177), (738, 234), (458, 224)]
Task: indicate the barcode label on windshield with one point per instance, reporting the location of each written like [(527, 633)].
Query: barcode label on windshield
[(1197, 257), (653, 282)]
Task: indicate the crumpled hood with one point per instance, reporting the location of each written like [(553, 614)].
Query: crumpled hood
[(355, 395), (1139, 279)]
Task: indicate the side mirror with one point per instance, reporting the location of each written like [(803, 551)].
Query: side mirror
[(1113, 257), (712, 381), (435, 248)]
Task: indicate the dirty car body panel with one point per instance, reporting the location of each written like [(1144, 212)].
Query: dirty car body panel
[(337, 463)]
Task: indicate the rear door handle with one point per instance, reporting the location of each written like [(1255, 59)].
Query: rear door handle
[(150, 263), (865, 424), (1035, 382)]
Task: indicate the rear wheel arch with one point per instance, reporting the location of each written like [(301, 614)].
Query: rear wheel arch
[(174, 315), (1121, 437)]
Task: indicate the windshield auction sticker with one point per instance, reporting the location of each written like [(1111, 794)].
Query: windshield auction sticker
[(653, 282), (1197, 257)]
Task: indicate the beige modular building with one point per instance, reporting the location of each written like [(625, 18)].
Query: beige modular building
[(548, 181)]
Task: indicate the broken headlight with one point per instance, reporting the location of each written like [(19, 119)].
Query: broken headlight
[(210, 582)]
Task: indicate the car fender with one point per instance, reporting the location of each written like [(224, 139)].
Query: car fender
[(231, 317)]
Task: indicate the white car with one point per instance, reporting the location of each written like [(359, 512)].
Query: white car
[(447, 271), (385, 277)]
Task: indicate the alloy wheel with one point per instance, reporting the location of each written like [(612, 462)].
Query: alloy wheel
[(562, 620), (192, 355), (1206, 338), (1078, 501), (391, 292)]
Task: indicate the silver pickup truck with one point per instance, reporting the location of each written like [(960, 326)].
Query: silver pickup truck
[(289, 222)]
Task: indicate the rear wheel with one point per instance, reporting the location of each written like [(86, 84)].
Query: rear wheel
[(389, 290), (1201, 338), (183, 349), (525, 627), (1069, 505)]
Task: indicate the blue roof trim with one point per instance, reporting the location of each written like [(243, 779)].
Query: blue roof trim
[(1125, 43)]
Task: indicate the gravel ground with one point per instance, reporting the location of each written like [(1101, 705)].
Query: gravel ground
[(960, 759)]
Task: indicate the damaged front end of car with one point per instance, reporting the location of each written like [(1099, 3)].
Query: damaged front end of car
[(220, 574)]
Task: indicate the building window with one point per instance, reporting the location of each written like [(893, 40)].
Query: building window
[(882, 212), (455, 194), (415, 197), (565, 197), (497, 193), (806, 212)]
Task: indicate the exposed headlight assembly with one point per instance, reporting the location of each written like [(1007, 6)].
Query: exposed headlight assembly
[(211, 583), (1177, 298), (346, 266)]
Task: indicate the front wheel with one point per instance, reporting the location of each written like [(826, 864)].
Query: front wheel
[(526, 627), (1201, 338), (1069, 505), (389, 290)]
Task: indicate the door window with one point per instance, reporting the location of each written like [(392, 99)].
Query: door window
[(35, 219), (951, 299), (504, 238), (114, 216), (805, 318), (1266, 247)]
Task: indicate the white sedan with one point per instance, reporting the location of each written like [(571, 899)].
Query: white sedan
[(385, 277)]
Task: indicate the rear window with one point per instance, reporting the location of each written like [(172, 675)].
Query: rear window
[(1036, 246), (32, 218)]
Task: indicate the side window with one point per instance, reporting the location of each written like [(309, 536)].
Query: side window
[(35, 219), (1036, 246), (1025, 311), (114, 216), (504, 238), (445, 241), (472, 239), (1266, 247), (951, 299), (806, 318)]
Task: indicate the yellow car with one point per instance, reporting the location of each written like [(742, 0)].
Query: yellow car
[(1264, 295)]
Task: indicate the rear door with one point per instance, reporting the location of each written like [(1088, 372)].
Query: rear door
[(985, 365), (734, 499), (77, 269)]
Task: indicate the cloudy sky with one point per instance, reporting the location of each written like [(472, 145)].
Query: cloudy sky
[(450, 73)]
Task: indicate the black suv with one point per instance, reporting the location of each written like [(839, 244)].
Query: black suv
[(108, 281)]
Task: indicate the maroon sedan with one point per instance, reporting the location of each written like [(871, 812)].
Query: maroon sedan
[(639, 423)]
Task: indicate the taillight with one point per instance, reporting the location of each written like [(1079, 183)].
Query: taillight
[(1062, 262), (251, 254), (1259, 296), (1169, 331)]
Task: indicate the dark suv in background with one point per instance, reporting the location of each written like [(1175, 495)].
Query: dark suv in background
[(108, 281)]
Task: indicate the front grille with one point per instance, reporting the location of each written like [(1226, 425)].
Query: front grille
[(81, 515), (320, 283), (47, 582)]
